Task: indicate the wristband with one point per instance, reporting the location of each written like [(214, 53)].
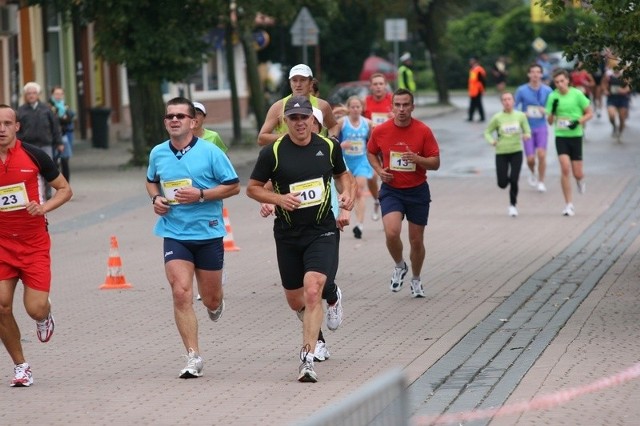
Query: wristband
[(153, 199), (201, 196)]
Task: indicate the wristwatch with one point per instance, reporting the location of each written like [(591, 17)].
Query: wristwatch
[(201, 196)]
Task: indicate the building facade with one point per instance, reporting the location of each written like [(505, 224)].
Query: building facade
[(36, 44)]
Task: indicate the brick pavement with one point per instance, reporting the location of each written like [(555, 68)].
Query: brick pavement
[(116, 354)]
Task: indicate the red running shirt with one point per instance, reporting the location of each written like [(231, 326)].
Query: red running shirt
[(378, 111), (23, 165), (391, 141)]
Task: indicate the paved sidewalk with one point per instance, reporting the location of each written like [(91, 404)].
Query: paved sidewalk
[(116, 354)]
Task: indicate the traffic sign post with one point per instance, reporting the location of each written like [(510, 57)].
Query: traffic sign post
[(539, 44), (304, 32), (395, 30)]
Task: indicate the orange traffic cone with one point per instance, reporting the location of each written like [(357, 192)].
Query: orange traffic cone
[(229, 244), (115, 278)]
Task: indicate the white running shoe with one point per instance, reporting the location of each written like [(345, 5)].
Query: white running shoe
[(568, 210), (375, 213), (322, 352), (397, 277), (22, 376), (513, 211), (194, 366), (533, 181), (45, 327), (542, 187), (334, 312), (216, 313), (305, 371), (582, 186), (416, 289)]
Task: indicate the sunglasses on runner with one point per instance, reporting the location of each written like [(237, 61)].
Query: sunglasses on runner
[(179, 116)]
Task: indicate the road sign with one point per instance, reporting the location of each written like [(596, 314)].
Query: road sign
[(539, 44), (395, 29), (304, 31)]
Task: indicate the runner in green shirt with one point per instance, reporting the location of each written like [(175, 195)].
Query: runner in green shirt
[(505, 132), (568, 109)]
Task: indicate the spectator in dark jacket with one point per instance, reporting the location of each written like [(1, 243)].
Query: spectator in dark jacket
[(38, 125)]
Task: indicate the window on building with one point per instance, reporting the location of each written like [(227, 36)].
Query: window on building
[(212, 76)]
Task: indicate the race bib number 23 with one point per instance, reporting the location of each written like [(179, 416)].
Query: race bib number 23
[(13, 197)]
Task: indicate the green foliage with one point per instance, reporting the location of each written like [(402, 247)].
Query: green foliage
[(512, 36), (606, 24), (467, 37), (155, 42), (347, 41), (496, 7), (349, 31), (561, 31)]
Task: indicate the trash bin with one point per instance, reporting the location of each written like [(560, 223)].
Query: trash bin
[(100, 127)]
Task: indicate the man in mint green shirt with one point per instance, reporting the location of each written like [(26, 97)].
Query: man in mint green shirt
[(505, 132), (568, 109)]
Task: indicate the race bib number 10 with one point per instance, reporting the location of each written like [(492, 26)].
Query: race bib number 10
[(13, 197), (311, 192)]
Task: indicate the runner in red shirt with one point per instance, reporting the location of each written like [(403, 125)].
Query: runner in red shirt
[(378, 109), (24, 239), (401, 151)]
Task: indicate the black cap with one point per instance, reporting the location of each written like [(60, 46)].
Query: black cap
[(298, 105)]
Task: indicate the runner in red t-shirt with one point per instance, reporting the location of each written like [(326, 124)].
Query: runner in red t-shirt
[(25, 244), (401, 151), (378, 109)]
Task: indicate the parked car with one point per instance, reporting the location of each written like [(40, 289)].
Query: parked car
[(374, 64), (341, 92)]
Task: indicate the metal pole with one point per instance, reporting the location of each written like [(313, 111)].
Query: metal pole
[(304, 43), (395, 53)]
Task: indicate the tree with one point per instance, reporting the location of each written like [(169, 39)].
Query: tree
[(432, 17), (154, 43), (616, 26), (464, 38), (512, 36)]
